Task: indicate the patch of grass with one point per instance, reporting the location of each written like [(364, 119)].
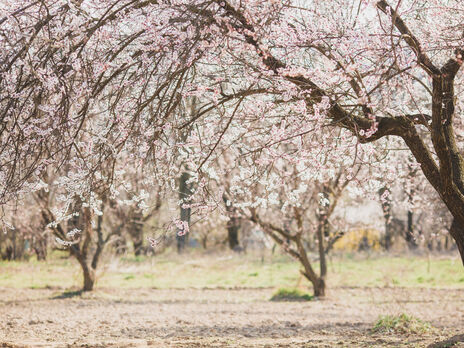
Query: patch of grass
[(129, 277), (218, 270), (284, 294), (403, 271), (401, 324)]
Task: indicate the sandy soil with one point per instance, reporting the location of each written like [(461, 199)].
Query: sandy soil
[(222, 317)]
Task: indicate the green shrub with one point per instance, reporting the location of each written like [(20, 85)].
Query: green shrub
[(129, 277), (284, 294), (401, 324)]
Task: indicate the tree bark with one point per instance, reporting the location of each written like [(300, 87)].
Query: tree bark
[(457, 232), (387, 214), (410, 240), (88, 273), (100, 241), (319, 287), (89, 277), (120, 244), (136, 231), (184, 194), (40, 249), (84, 223), (204, 242), (233, 227), (319, 282), (322, 233)]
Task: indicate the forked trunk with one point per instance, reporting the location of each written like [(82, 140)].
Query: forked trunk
[(318, 283)]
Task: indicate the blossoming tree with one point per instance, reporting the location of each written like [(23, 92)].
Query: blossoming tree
[(114, 74), (378, 69)]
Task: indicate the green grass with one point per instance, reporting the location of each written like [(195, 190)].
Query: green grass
[(401, 324), (399, 271), (232, 270), (284, 294)]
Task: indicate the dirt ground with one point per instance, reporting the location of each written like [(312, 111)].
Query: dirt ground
[(222, 317)]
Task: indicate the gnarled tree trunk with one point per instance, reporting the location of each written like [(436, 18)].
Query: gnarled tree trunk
[(81, 249)]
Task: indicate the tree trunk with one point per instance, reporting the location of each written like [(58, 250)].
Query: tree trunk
[(319, 287), (120, 244), (410, 232), (40, 249), (410, 240), (138, 247), (100, 242), (81, 251), (233, 226), (320, 238), (385, 201), (184, 195), (136, 231), (182, 236), (457, 232), (204, 242), (319, 284), (88, 273), (89, 278)]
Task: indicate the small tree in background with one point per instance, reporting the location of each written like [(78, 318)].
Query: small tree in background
[(308, 221)]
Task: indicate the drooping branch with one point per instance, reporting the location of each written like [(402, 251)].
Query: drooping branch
[(422, 58)]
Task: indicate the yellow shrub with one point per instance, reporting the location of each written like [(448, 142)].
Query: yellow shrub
[(352, 240)]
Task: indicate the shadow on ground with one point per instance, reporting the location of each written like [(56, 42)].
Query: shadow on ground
[(67, 294), (450, 342)]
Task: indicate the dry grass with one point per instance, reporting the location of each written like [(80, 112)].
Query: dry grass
[(401, 324)]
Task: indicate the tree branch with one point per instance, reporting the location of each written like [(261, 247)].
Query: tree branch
[(422, 58)]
